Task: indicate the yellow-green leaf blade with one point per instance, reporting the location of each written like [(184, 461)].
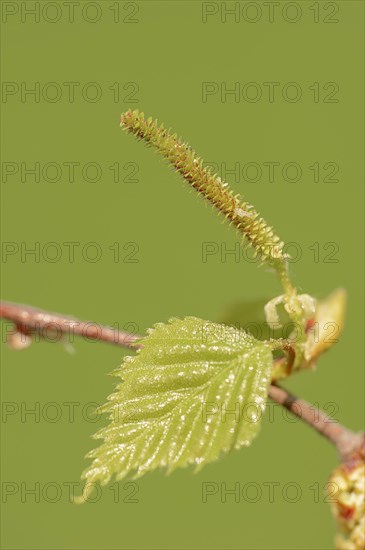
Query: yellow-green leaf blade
[(195, 390)]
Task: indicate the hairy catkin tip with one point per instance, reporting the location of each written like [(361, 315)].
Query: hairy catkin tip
[(185, 161)]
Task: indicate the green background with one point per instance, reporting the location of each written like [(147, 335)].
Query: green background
[(169, 52)]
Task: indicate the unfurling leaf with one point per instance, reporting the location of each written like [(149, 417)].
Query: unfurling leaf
[(194, 390), (301, 306), (326, 326)]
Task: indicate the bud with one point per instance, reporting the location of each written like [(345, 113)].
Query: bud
[(324, 329), (19, 340), (349, 503)]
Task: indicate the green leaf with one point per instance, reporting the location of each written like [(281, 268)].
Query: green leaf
[(194, 390)]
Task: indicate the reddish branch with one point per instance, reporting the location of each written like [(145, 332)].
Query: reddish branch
[(345, 441), (28, 321)]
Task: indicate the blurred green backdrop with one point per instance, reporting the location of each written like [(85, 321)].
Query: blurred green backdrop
[(156, 56)]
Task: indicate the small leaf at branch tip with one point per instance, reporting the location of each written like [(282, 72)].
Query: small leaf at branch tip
[(326, 325)]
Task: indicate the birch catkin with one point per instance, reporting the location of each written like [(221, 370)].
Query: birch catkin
[(239, 213)]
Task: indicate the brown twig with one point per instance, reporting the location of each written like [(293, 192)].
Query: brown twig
[(345, 441), (28, 320)]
